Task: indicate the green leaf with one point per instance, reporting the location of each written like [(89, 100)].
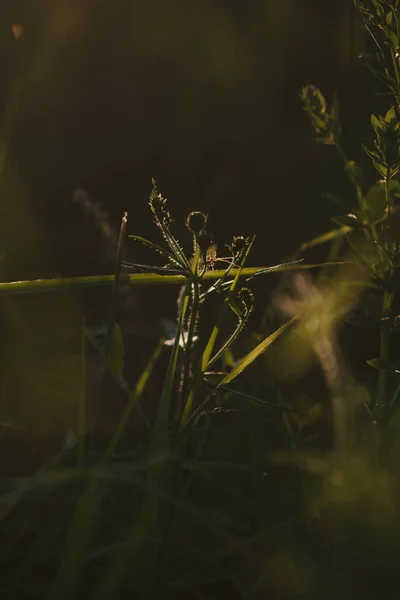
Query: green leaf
[(313, 99), (392, 37), (375, 204), (376, 124), (371, 153), (391, 114), (377, 160)]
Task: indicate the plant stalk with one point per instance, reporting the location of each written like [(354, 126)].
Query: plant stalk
[(383, 381)]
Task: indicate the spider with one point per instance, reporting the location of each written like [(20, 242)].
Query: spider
[(211, 257)]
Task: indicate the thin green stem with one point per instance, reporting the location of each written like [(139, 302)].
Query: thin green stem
[(193, 321), (194, 289), (373, 37), (384, 356), (82, 402), (396, 69), (394, 12), (228, 342), (388, 204)]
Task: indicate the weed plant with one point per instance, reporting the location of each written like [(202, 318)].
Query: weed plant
[(248, 482)]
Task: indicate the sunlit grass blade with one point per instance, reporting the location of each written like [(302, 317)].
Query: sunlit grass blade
[(245, 362), (329, 236), (135, 396), (140, 279), (291, 266), (76, 283), (239, 368)]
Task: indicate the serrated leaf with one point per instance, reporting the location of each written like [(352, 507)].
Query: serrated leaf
[(156, 247)]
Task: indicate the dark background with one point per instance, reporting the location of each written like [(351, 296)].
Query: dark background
[(200, 95)]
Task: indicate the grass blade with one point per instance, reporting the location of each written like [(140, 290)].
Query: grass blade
[(142, 279), (325, 237), (255, 353)]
